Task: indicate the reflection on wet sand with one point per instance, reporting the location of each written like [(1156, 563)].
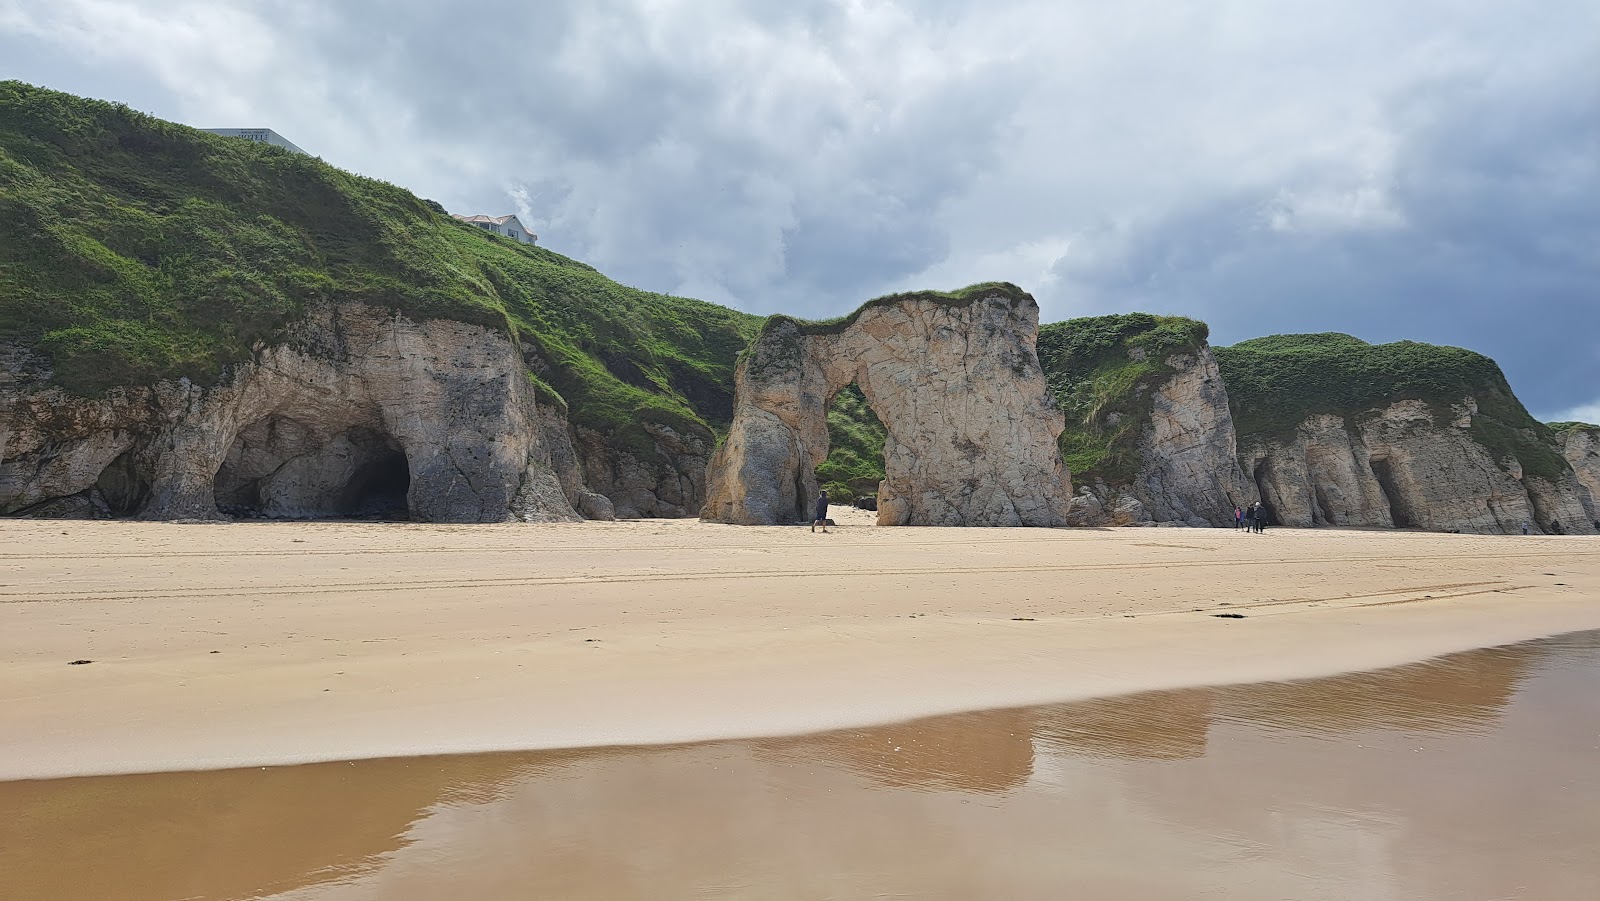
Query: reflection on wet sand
[(1159, 725), (227, 833), (1471, 776), (1464, 692), (979, 752)]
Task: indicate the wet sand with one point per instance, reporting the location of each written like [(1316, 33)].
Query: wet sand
[(1473, 776), (254, 643)]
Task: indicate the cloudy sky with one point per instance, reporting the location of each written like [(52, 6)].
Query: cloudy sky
[(1427, 169)]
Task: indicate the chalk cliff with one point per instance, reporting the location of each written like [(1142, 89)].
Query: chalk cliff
[(1334, 431), (955, 380), (1149, 435), (358, 411)]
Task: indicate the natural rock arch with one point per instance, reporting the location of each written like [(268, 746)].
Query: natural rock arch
[(955, 379)]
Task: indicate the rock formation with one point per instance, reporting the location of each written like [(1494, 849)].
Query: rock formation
[(1337, 431), (1406, 465), (1188, 471), (956, 381), (1149, 431), (359, 411), (1580, 445)]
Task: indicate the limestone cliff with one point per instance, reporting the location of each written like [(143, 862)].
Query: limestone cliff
[(971, 427), (1580, 446), (1149, 434), (359, 412), (1334, 431)]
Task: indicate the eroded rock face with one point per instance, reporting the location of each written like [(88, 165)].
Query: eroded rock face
[(358, 412), (1403, 466), (971, 425), (1189, 452), (1581, 447), (1189, 471)]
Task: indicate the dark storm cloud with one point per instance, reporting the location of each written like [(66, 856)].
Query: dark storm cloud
[(1490, 239), (1423, 170)]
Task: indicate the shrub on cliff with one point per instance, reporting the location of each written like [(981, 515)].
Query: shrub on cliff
[(1275, 382), (1100, 369)]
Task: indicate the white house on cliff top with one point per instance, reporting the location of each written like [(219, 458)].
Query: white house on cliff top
[(258, 135), (509, 226)]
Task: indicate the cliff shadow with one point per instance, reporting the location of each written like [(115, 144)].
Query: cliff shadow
[(1399, 511)]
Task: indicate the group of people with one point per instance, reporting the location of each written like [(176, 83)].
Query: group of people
[(1252, 518)]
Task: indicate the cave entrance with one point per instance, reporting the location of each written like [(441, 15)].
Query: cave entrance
[(378, 489), (123, 486), (1383, 471), (1261, 477), (854, 465), (282, 468)]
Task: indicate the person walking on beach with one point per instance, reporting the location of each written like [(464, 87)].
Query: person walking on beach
[(1524, 527), (821, 519), (1261, 518), (1238, 519)]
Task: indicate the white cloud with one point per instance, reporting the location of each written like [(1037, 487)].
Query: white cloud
[(1585, 413)]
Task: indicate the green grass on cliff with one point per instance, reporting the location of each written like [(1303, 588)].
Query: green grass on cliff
[(133, 250), (1274, 383), (855, 447), (1100, 369)]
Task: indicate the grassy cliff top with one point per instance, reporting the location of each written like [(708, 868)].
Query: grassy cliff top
[(1099, 369), (1275, 382), (956, 298), (1559, 427), (133, 249)]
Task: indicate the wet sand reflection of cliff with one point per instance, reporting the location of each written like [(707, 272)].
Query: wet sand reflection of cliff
[(1470, 776), (990, 751), (227, 833), (1458, 693)]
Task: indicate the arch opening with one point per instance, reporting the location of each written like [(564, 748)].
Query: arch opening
[(854, 466)]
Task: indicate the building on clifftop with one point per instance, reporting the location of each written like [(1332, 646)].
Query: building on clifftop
[(507, 226), (259, 135)]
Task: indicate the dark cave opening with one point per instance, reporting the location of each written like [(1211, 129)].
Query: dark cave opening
[(281, 468), (378, 489), (1260, 478), (1384, 473), (123, 486)]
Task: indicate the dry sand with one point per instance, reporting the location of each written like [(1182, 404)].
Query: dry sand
[(252, 643)]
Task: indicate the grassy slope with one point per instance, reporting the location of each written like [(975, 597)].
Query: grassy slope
[(1092, 369), (133, 249), (1274, 383), (855, 447)]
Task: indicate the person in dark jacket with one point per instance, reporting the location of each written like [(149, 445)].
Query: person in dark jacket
[(1261, 518), (821, 519)]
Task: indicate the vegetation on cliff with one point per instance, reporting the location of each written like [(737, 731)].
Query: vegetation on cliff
[(1275, 382), (133, 250), (1101, 370), (855, 447)]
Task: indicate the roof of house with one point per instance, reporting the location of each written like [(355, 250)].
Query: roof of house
[(497, 220)]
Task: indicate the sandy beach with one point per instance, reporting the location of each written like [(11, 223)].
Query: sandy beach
[(262, 643)]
